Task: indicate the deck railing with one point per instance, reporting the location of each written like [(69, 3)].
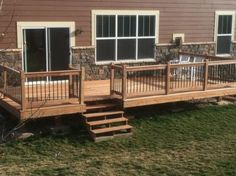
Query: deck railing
[(221, 74), (35, 89), (117, 73), (138, 81), (10, 83), (53, 87)]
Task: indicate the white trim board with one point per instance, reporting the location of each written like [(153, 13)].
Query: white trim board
[(45, 24)]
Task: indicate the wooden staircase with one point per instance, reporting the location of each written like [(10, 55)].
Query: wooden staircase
[(105, 121)]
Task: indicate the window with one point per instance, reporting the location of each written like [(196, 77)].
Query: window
[(125, 35), (224, 31)]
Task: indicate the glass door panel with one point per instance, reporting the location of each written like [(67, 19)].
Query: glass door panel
[(35, 50), (58, 48)]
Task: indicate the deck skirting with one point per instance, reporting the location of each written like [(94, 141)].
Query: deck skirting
[(186, 96)]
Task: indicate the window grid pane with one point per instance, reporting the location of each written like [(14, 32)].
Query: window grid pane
[(126, 49), (105, 50), (128, 40), (105, 26), (223, 44), (126, 26), (225, 24), (146, 26), (146, 48)]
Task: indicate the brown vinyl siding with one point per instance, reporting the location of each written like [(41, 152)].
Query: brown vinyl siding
[(194, 18)]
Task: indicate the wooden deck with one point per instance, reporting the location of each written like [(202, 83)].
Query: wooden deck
[(60, 107), (43, 94), (156, 84)]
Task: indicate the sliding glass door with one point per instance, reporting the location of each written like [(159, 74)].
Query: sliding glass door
[(46, 49)]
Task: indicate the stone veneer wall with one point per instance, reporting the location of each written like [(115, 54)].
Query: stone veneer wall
[(85, 56), (164, 53), (233, 50), (11, 58)]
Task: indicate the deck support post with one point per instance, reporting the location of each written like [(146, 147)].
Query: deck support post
[(5, 81), (112, 80), (124, 77), (81, 90), (205, 75), (168, 78), (23, 98), (70, 86)]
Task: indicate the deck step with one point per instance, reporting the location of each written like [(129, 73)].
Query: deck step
[(107, 121), (101, 114), (111, 129), (100, 106)]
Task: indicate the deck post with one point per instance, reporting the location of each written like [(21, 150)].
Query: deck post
[(5, 81), (70, 86), (112, 79), (205, 75), (124, 87), (81, 90), (168, 78), (23, 98)]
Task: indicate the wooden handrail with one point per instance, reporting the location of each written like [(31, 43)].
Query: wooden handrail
[(51, 73), (224, 62), (116, 66), (146, 67), (187, 64)]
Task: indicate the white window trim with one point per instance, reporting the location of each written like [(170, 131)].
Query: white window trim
[(217, 14), (156, 13), (44, 24)]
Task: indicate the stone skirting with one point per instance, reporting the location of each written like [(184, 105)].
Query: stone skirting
[(11, 58), (233, 49), (167, 52), (85, 56)]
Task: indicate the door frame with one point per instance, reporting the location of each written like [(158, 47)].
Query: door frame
[(21, 25)]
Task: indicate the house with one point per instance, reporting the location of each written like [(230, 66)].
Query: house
[(43, 42), (49, 35)]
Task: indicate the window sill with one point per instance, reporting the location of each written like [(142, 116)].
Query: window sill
[(123, 62)]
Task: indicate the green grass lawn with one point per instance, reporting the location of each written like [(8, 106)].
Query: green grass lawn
[(196, 141)]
